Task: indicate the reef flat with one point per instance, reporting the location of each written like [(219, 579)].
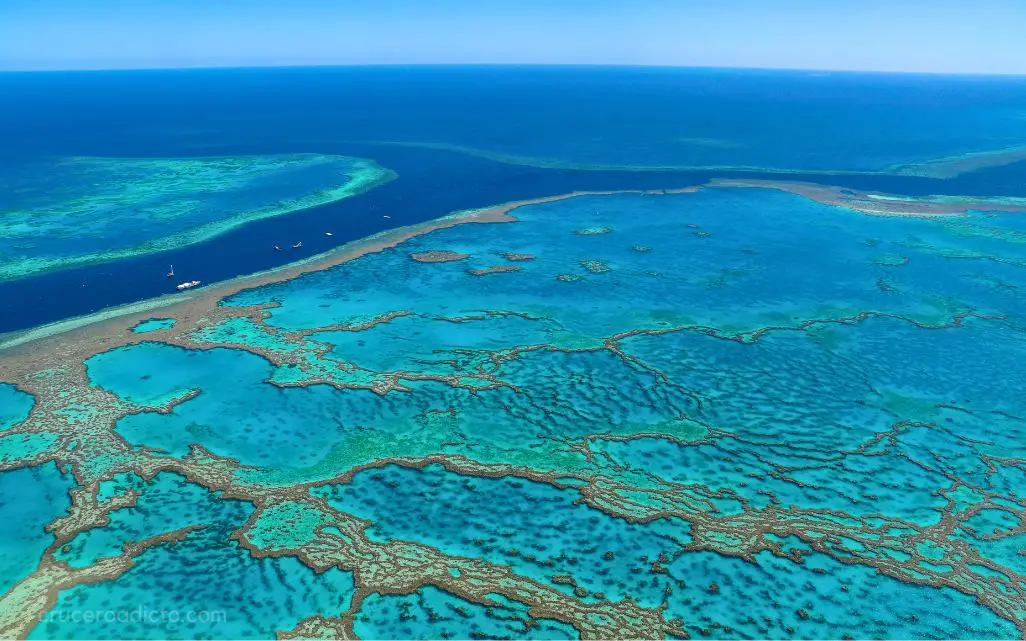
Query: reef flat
[(944, 168), (953, 166), (708, 443), (79, 211)]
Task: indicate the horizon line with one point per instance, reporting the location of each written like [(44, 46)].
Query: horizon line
[(215, 67)]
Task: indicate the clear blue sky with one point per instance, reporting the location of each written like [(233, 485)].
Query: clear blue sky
[(958, 36)]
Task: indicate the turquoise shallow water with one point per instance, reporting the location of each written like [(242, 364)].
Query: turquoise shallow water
[(736, 411), (735, 259), (821, 599), (153, 324), (14, 406), (29, 499), (269, 427), (701, 385), (433, 614), (166, 500), (535, 529), (507, 521), (171, 593)]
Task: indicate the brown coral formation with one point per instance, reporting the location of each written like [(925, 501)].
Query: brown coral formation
[(438, 256), (517, 257), (498, 269)]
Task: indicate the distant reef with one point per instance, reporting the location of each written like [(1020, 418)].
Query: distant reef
[(77, 211)]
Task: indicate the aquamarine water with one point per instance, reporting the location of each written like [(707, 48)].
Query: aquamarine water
[(169, 594), (535, 529), (434, 614), (14, 406), (154, 324), (78, 211), (29, 499), (727, 413)]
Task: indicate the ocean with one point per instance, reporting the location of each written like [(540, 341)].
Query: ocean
[(468, 137), (761, 380)]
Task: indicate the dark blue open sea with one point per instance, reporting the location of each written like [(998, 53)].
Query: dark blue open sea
[(480, 136)]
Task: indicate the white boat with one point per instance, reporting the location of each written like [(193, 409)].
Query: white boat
[(188, 285), (297, 245), (171, 274), (327, 233)]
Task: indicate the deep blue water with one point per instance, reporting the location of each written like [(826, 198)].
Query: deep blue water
[(574, 119)]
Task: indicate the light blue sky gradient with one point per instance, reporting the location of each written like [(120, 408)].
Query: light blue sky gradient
[(946, 36)]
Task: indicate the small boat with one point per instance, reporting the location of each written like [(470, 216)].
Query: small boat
[(386, 216), (297, 245), (277, 249), (327, 233), (171, 274), (187, 285)]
